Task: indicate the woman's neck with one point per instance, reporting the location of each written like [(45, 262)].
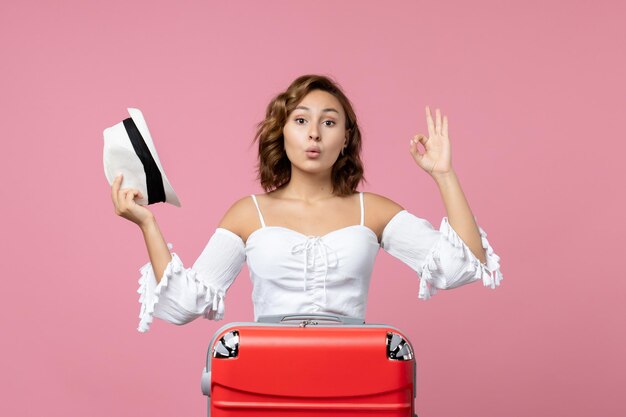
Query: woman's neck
[(308, 187)]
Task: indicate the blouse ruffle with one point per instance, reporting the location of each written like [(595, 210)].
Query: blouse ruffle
[(435, 274), (184, 294), (441, 258)]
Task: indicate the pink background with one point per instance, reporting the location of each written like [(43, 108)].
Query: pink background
[(535, 94)]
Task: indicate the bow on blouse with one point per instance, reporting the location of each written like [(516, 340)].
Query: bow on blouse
[(313, 246)]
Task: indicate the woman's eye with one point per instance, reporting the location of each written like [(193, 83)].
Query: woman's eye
[(297, 119), (330, 121)]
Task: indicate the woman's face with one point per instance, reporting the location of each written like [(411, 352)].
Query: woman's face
[(315, 132)]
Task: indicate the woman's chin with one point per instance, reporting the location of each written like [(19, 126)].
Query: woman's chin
[(313, 167)]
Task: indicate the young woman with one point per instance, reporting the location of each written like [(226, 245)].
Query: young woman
[(310, 241)]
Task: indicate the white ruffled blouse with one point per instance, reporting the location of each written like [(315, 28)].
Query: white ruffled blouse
[(295, 273)]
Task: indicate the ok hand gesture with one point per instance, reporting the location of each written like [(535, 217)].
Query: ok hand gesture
[(436, 158)]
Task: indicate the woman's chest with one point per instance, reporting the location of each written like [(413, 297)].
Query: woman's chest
[(275, 252)]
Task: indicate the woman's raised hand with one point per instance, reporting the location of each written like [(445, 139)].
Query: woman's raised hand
[(125, 206), (436, 158)]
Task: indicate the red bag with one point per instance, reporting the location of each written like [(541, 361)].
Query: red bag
[(309, 365)]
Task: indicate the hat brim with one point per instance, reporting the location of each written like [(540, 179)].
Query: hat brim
[(141, 124)]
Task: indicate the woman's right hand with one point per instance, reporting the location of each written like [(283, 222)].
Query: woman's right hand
[(125, 206)]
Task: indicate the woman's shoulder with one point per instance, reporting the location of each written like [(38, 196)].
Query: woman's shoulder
[(380, 204), (241, 218), (379, 210)]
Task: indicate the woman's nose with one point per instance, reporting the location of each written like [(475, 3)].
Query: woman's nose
[(314, 133)]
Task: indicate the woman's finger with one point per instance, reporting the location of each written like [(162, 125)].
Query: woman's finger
[(445, 126), (122, 204), (438, 121), (414, 148), (115, 188), (130, 196), (429, 122)]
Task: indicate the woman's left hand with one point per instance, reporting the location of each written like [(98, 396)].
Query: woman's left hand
[(436, 159)]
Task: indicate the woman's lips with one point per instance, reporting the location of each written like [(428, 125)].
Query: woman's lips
[(312, 152)]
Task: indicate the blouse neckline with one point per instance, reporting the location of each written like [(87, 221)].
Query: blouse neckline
[(305, 236)]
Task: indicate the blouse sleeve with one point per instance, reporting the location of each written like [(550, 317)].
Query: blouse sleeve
[(441, 258), (184, 294)]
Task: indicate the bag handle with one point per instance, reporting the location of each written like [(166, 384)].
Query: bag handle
[(279, 318)]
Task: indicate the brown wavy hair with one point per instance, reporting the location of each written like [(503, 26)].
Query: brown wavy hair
[(274, 168)]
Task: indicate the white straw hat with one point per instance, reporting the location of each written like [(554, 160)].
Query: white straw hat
[(128, 150)]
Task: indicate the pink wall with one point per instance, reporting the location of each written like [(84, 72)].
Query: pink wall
[(535, 94)]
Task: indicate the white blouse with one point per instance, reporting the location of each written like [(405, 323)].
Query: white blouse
[(295, 273)]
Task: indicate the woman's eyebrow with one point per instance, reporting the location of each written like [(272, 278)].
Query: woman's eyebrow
[(329, 109)]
